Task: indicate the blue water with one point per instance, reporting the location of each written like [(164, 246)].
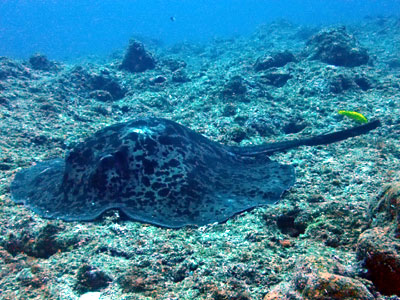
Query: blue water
[(72, 28)]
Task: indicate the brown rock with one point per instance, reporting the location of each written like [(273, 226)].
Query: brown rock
[(283, 291), (379, 252), (318, 278), (324, 285)]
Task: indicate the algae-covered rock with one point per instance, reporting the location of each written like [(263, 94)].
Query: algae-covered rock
[(276, 60), (105, 82), (325, 285), (91, 279), (275, 78), (336, 47), (385, 209), (320, 278), (380, 255), (234, 87), (11, 68), (137, 59), (41, 62)]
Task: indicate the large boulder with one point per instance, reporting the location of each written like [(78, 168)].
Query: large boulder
[(137, 59), (336, 47)]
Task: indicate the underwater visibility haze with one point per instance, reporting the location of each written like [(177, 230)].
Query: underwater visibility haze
[(200, 149), (71, 29)]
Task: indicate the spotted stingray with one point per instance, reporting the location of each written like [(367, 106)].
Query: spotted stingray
[(159, 172)]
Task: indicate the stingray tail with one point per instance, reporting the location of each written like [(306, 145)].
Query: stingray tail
[(323, 139)]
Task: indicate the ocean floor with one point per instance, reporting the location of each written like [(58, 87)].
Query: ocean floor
[(334, 235)]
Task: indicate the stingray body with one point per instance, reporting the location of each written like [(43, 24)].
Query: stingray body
[(157, 171)]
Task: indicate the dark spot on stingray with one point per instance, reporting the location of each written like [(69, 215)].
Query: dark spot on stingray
[(149, 194), (157, 171), (163, 192), (149, 166), (172, 163), (146, 181), (157, 186)]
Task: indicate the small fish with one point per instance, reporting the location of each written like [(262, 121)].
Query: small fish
[(354, 115)]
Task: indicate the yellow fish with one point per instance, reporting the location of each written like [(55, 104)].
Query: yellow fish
[(353, 115)]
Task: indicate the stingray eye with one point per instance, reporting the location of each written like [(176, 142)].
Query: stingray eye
[(106, 162)]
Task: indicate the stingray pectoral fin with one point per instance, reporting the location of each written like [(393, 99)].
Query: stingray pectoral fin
[(249, 187), (238, 186), (38, 186), (323, 139)]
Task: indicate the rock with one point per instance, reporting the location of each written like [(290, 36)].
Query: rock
[(180, 76), (42, 244), (46, 244), (336, 47), (106, 83), (322, 286), (274, 60), (137, 281), (134, 285), (320, 278), (265, 126), (179, 274), (325, 285), (101, 95), (385, 209), (340, 83), (380, 255), (5, 166), (137, 59), (378, 247), (174, 64), (234, 87), (102, 110), (4, 101), (11, 68), (284, 291), (237, 134), (27, 278), (316, 198), (364, 83), (394, 63), (90, 279), (40, 62), (39, 139), (276, 78), (158, 80), (289, 224), (294, 126), (229, 110)]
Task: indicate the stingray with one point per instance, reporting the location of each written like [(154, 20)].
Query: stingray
[(159, 172)]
